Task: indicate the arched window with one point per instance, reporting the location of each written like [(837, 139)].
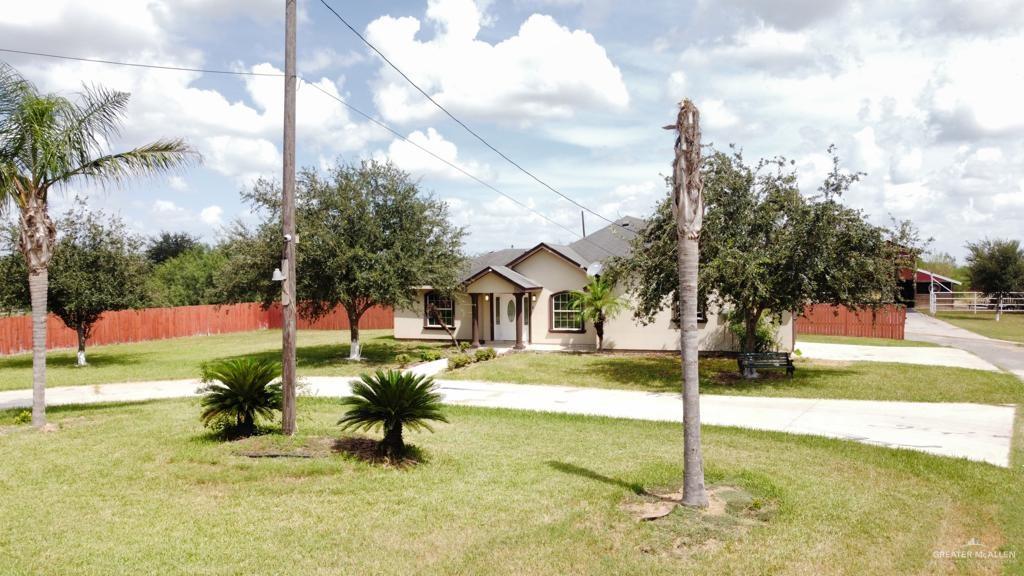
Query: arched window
[(445, 307), (565, 314)]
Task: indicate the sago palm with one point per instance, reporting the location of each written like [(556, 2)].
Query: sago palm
[(46, 143), (598, 304), (238, 392), (392, 400)]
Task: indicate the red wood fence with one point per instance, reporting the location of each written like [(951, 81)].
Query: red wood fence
[(161, 323), (886, 322)]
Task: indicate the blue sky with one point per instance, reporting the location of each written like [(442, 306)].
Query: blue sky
[(921, 95)]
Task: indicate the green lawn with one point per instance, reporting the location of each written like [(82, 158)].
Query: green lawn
[(320, 352), (813, 379), (140, 489), (1010, 326), (861, 341)]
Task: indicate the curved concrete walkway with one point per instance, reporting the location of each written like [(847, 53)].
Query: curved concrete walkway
[(974, 431), (1006, 355)]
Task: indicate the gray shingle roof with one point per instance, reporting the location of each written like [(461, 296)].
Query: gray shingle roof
[(597, 247)]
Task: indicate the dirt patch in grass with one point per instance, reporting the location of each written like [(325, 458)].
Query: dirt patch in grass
[(368, 450), (676, 530), (273, 446)]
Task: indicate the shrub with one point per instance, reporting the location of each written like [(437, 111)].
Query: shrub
[(463, 346), (23, 417), (430, 354), (403, 360), (485, 354), (237, 392), (392, 400), (458, 361)]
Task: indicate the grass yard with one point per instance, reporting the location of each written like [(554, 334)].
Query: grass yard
[(813, 378), (1010, 326), (861, 341), (139, 488), (320, 353)]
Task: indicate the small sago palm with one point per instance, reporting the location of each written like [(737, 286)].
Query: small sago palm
[(392, 400), (237, 392), (598, 304), (48, 142)]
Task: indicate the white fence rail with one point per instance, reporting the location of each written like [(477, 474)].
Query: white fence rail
[(1011, 302)]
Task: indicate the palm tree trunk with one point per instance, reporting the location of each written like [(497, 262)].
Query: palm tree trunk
[(394, 444), (37, 285), (694, 493), (81, 345), (599, 329)]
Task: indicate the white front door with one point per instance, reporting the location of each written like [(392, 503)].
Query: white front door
[(505, 317)]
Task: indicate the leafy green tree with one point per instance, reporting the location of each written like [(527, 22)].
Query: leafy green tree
[(767, 249), (46, 143), (167, 245), (97, 267), (238, 392), (367, 237), (14, 297), (996, 267), (598, 303), (392, 400), (188, 279)]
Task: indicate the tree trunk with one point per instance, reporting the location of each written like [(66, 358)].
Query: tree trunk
[(999, 306), (750, 322), (37, 285), (599, 329), (393, 444), (688, 210), (81, 345), (694, 493), (355, 351)]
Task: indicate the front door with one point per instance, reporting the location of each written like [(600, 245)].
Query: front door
[(504, 317)]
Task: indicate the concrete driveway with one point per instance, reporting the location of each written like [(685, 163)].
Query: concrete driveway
[(925, 356), (1005, 355), (974, 431)]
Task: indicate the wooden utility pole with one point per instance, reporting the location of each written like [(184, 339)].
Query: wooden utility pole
[(688, 210), (288, 302)]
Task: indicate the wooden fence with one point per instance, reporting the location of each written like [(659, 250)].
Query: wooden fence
[(886, 322), (160, 323)]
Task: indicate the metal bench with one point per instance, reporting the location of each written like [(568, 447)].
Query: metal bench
[(749, 362)]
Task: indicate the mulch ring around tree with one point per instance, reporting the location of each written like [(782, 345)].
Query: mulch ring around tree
[(676, 530), (356, 447)]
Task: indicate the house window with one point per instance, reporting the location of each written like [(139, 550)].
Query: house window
[(445, 307), (565, 315), (702, 316)]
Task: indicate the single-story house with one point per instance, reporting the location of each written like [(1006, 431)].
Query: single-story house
[(523, 296)]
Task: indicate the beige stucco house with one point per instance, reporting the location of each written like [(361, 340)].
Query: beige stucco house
[(523, 296)]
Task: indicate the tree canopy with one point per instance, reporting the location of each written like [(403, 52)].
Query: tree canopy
[(996, 266), (167, 245), (766, 248), (368, 236)]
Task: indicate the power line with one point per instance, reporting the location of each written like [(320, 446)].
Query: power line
[(138, 65), (463, 124), (328, 94), (452, 165)]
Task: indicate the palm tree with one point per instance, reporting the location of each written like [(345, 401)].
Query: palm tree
[(46, 143), (238, 391), (598, 304), (392, 400)]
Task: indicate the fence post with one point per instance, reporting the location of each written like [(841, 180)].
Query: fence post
[(931, 302)]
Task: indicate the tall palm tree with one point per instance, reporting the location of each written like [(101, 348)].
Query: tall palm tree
[(47, 142), (598, 304)]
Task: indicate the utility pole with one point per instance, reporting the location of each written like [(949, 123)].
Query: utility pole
[(288, 302)]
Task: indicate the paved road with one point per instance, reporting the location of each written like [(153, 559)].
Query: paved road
[(1005, 355), (904, 355), (974, 431)]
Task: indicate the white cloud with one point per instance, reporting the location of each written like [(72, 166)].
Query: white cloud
[(419, 163), (177, 183), (243, 158), (544, 71), (212, 215)]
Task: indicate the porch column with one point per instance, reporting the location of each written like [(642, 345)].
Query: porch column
[(476, 339), (519, 322)]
